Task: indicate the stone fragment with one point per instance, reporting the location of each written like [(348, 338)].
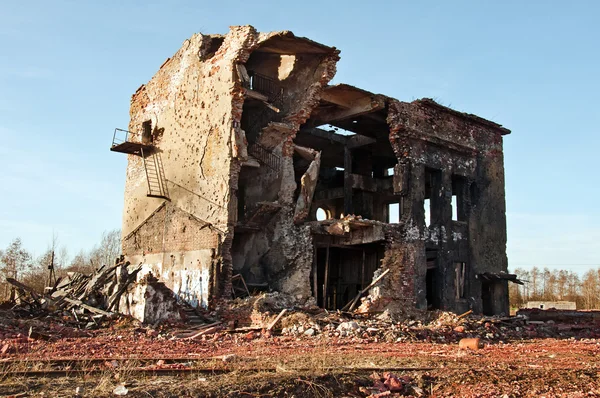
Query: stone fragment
[(120, 390), (309, 332)]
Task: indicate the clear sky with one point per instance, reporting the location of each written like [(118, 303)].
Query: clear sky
[(68, 69)]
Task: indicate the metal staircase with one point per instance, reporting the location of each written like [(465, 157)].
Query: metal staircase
[(266, 157), (267, 86)]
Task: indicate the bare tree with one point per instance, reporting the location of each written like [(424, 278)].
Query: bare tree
[(108, 249), (14, 262)]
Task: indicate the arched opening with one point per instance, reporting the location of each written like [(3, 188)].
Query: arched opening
[(323, 214)]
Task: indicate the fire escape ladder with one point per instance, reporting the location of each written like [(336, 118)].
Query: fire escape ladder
[(155, 175), (265, 157)]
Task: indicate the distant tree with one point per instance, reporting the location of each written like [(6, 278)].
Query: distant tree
[(535, 284), (102, 254), (80, 263), (37, 276), (562, 284), (14, 262), (108, 249), (589, 289), (515, 293)]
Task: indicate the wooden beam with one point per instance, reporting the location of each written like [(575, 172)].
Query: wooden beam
[(359, 140), (328, 96), (348, 180), (353, 303), (362, 106), (87, 307), (272, 325), (327, 135)]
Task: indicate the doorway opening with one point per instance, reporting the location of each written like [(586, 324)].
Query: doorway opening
[(432, 281), (341, 272), (487, 294)]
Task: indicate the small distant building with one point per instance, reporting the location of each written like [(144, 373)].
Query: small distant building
[(546, 305)]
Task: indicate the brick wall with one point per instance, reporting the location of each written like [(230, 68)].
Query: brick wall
[(170, 229)]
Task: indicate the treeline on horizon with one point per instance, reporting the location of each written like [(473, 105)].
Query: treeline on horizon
[(543, 284), (18, 263)]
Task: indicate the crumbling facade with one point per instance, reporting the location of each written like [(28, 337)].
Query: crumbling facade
[(244, 160)]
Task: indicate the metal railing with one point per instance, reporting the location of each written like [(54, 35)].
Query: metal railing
[(264, 156), (266, 86), (120, 136)]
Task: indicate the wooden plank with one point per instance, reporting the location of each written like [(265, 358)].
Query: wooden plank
[(209, 330), (256, 95), (23, 287), (87, 307), (272, 325), (353, 303)]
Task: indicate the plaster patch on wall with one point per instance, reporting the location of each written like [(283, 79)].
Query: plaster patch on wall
[(456, 236), (412, 232)]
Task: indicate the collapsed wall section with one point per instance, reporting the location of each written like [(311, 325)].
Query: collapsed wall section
[(272, 250)]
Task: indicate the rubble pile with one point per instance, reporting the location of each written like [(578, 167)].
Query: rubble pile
[(77, 300), (429, 326), (275, 313)]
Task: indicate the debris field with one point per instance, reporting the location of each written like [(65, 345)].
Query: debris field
[(255, 347)]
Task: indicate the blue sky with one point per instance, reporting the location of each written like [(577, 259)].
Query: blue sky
[(68, 69)]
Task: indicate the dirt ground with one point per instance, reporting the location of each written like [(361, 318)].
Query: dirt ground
[(255, 364)]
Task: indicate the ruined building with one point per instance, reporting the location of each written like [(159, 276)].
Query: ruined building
[(242, 159)]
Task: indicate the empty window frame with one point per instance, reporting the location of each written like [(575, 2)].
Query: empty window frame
[(432, 203), (427, 209), (393, 213), (459, 185)]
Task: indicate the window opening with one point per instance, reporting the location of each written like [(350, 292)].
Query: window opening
[(393, 213), (323, 214), (427, 205), (459, 185), (432, 202), (454, 208)]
